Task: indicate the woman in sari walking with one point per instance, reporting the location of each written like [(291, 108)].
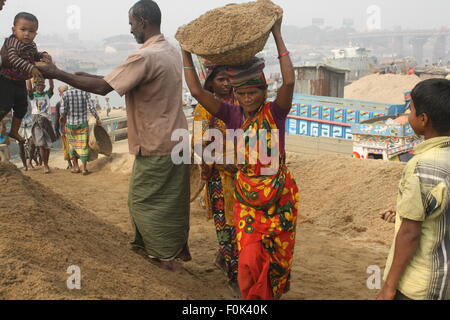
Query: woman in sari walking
[(220, 177), (266, 206)]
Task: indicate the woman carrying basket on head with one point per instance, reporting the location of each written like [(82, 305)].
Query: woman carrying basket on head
[(220, 177), (266, 206)]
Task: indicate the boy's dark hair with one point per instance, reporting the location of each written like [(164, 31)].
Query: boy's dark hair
[(147, 10), (432, 97), (26, 16)]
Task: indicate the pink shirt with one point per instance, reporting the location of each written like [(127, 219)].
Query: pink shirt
[(151, 80)]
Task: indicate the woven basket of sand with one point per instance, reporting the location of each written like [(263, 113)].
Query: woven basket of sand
[(99, 141), (230, 35)]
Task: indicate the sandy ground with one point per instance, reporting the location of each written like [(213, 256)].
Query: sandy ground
[(339, 232)]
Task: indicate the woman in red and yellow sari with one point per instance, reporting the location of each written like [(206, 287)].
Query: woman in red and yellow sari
[(266, 200), (219, 177)]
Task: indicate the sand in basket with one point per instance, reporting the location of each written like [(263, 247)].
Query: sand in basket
[(99, 141), (230, 35)]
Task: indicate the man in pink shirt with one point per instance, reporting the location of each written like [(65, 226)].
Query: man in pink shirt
[(151, 80)]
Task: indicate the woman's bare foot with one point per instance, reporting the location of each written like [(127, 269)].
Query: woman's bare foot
[(75, 171), (47, 170), (235, 290), (86, 173)]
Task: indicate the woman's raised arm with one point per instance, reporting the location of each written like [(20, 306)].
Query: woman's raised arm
[(204, 97), (286, 91)]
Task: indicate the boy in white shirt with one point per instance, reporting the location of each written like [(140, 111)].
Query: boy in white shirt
[(42, 129)]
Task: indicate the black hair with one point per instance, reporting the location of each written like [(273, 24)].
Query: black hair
[(26, 16), (432, 97), (212, 76), (147, 10)]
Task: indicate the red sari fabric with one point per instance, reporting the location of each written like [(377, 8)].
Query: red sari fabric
[(265, 213)]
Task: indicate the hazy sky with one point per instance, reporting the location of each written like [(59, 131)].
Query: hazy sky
[(103, 18)]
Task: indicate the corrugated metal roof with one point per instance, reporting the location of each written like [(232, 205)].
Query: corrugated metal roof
[(324, 66)]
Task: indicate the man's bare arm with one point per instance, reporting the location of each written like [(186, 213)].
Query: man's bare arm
[(86, 83), (85, 74)]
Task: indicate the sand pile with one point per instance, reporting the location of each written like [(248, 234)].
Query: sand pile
[(123, 164), (228, 27), (387, 88), (346, 195), (337, 192), (339, 234), (42, 234), (117, 163)]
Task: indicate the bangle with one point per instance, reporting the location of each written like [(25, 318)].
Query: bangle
[(190, 68), (284, 54)]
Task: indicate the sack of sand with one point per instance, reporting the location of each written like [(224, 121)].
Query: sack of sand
[(230, 35), (99, 141)]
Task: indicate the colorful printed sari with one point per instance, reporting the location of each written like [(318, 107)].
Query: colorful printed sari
[(78, 139), (220, 197), (265, 214)]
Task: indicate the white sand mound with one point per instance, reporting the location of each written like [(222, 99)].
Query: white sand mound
[(386, 88)]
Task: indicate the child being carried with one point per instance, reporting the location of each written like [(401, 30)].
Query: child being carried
[(21, 65)]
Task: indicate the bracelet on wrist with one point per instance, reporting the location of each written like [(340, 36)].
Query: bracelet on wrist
[(189, 68), (286, 53)]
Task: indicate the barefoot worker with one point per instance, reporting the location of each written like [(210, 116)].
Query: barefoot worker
[(151, 80), (265, 210), (74, 116), (42, 128), (220, 177)]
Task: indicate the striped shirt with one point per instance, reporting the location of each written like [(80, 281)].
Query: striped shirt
[(22, 58), (75, 106), (424, 195)]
